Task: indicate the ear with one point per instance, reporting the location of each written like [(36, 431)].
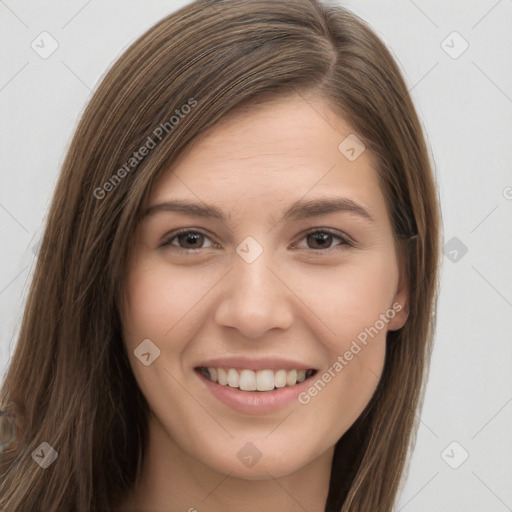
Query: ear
[(400, 304)]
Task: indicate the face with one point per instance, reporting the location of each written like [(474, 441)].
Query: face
[(265, 285)]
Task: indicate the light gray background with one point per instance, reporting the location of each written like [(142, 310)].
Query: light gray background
[(465, 104)]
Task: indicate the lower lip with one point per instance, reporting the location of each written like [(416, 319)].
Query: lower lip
[(255, 402)]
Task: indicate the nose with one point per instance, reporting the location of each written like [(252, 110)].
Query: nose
[(255, 297)]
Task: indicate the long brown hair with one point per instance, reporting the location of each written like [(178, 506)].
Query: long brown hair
[(69, 383)]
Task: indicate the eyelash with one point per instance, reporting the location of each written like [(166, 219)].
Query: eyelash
[(346, 242)]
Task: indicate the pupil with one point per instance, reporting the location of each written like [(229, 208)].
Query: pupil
[(192, 237), (322, 237)]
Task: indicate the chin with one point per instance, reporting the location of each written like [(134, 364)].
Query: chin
[(262, 466)]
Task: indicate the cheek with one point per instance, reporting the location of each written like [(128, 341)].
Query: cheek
[(355, 304), (352, 297), (160, 302)]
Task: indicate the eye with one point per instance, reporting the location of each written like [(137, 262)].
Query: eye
[(194, 240), (188, 237), (323, 238)]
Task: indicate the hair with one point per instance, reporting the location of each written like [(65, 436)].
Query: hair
[(69, 382)]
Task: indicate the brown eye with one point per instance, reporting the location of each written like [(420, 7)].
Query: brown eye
[(323, 239), (187, 241), (194, 239)]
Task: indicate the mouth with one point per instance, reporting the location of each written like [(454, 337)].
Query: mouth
[(264, 380)]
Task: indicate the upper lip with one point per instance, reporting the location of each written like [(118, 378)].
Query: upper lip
[(268, 363)]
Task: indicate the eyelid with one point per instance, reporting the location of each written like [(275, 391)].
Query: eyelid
[(347, 241), (174, 234)]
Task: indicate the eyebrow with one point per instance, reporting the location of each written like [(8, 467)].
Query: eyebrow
[(300, 209)]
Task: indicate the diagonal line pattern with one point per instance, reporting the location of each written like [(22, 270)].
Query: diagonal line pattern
[(425, 425), (486, 14), (424, 76), (197, 402), (494, 288), (492, 81), (492, 419), (14, 218), (286, 491), (12, 280), (217, 486), (424, 13), (75, 15), (76, 75), (280, 423), (14, 76), (508, 508), (13, 13), (219, 280), (492, 211), (418, 492)]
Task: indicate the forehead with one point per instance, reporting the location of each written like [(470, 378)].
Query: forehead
[(273, 155)]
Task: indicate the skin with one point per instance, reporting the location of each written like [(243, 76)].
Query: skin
[(290, 303)]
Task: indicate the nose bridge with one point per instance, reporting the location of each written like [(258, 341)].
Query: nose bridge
[(254, 300), (251, 268), (251, 274)]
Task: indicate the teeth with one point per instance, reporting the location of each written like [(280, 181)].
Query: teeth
[(222, 377), (291, 377), (232, 378), (261, 380), (247, 380), (265, 380), (280, 379)]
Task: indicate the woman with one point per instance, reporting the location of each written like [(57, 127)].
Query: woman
[(278, 361)]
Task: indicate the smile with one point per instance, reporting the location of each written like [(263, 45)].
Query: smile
[(260, 380)]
